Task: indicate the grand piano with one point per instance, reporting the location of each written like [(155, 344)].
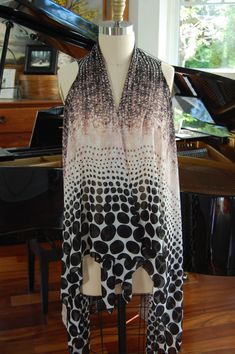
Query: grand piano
[(33, 177), (31, 183)]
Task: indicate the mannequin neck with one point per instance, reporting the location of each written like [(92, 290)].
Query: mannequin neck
[(117, 50)]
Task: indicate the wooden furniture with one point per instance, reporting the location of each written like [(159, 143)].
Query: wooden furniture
[(17, 119)]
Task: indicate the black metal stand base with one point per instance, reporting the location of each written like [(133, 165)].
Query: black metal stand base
[(121, 324)]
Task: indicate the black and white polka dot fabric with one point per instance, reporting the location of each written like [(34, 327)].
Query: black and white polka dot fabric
[(121, 192)]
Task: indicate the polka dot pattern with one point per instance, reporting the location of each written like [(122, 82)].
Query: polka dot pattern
[(121, 198)]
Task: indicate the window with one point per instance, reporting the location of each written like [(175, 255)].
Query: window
[(206, 34)]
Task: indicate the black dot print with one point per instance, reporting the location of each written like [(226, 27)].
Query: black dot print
[(94, 230), (123, 218), (101, 247), (118, 269), (99, 208), (124, 231), (99, 218), (111, 299), (108, 198), (116, 247), (107, 264), (107, 207), (64, 283), (135, 220), (73, 278), (133, 247), (139, 233), (129, 263), (120, 207), (104, 274), (173, 328), (109, 218), (149, 229), (148, 267), (75, 259), (84, 229), (75, 315), (160, 264), (115, 207), (66, 235), (178, 296), (143, 196), (153, 219), (177, 314), (144, 205), (148, 252), (66, 248), (76, 243), (111, 282), (79, 343), (159, 311), (89, 216), (99, 199), (159, 281), (108, 233), (144, 215), (165, 319)]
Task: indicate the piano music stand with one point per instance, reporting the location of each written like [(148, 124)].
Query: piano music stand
[(9, 26)]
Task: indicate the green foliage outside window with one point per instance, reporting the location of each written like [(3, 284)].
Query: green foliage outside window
[(207, 36)]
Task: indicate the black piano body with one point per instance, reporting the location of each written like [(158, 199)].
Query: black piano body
[(31, 181), (207, 183), (31, 178), (31, 198)]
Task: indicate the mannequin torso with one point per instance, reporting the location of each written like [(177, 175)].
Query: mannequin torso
[(117, 74), (117, 51)]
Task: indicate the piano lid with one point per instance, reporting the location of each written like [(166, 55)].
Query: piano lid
[(216, 92), (54, 24), (61, 17)]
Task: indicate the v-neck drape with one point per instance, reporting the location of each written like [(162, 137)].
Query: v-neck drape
[(126, 86), (121, 197)]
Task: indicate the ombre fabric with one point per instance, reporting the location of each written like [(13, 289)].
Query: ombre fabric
[(121, 191)]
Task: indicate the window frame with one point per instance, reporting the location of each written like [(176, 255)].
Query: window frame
[(169, 26)]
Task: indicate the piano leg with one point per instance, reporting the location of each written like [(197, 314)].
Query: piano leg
[(54, 253), (44, 266), (222, 236), (35, 248), (208, 234), (31, 268)]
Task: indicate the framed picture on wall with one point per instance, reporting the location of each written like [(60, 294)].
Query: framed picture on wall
[(40, 59)]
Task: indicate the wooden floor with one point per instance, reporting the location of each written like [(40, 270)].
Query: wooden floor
[(209, 322)]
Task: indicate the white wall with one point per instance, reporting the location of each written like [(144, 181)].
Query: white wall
[(143, 15), (155, 23)]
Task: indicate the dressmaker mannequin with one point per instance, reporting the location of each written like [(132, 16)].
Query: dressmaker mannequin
[(116, 44)]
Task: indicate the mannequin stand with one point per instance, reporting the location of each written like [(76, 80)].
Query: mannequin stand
[(121, 307), (127, 322)]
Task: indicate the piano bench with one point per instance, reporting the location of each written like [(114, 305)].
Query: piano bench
[(45, 256)]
